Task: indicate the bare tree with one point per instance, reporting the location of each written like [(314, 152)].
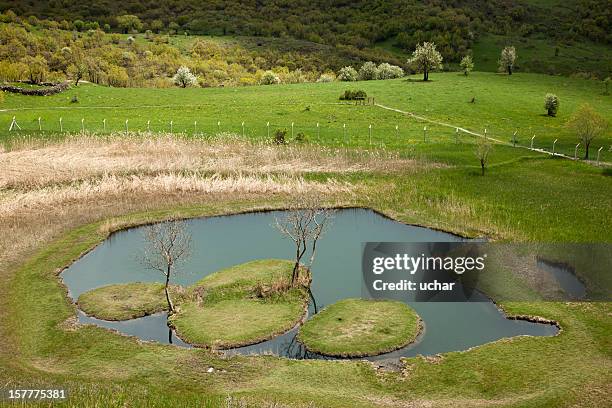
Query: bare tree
[(304, 225), (166, 245), (483, 149)]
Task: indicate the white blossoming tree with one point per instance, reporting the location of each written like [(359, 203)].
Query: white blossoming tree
[(347, 74), (507, 59), (467, 65), (184, 78), (426, 59)]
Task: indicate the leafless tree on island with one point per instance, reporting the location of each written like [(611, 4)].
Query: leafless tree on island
[(166, 246), (304, 224)]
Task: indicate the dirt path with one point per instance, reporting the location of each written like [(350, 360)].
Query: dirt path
[(469, 132)]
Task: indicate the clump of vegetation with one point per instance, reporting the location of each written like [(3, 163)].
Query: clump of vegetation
[(467, 65), (270, 78), (388, 71), (280, 137), (368, 72), (587, 124), (74, 99), (301, 138), (352, 95), (326, 77), (507, 60), (184, 77), (426, 58), (551, 104), (347, 74)]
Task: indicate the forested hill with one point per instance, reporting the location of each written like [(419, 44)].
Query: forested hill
[(360, 24)]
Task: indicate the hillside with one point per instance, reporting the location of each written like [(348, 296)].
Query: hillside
[(356, 30)]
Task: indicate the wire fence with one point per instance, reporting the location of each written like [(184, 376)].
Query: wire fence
[(377, 134)]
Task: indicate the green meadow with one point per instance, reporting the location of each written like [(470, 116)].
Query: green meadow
[(501, 104)]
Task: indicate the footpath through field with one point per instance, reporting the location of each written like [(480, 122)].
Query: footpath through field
[(423, 118)]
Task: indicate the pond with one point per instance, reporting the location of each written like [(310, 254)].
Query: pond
[(220, 242)]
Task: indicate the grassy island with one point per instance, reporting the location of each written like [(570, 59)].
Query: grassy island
[(124, 301), (359, 328), (241, 305)]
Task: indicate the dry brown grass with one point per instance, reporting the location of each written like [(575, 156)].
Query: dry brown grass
[(36, 163), (47, 188)]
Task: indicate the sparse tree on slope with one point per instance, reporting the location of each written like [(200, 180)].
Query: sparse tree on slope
[(467, 65), (551, 104), (425, 59), (587, 124), (184, 77), (483, 150), (507, 60)]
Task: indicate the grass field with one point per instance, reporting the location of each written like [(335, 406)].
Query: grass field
[(59, 198), (503, 105)]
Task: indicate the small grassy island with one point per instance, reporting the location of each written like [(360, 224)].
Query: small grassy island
[(124, 301), (241, 305), (360, 328)]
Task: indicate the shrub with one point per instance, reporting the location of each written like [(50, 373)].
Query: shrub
[(507, 60), (300, 138), (326, 78), (347, 74), (388, 71), (551, 104), (280, 137), (350, 95), (270, 78), (74, 99), (368, 71)]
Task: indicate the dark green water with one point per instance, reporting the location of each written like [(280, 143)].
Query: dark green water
[(220, 242)]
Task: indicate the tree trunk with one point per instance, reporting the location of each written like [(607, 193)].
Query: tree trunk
[(586, 150), (170, 305), (509, 70), (425, 75), (482, 166)]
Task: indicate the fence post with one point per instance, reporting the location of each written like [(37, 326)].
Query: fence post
[(344, 132), (424, 132), (83, 125), (370, 134), (532, 141), (598, 154), (104, 125), (39, 125), (61, 126), (243, 135), (576, 152), (148, 126), (291, 130), (457, 135), (195, 127), (485, 134), (268, 126), (554, 143), (318, 132), (171, 123), (219, 126), (514, 138), (397, 131), (126, 126)]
